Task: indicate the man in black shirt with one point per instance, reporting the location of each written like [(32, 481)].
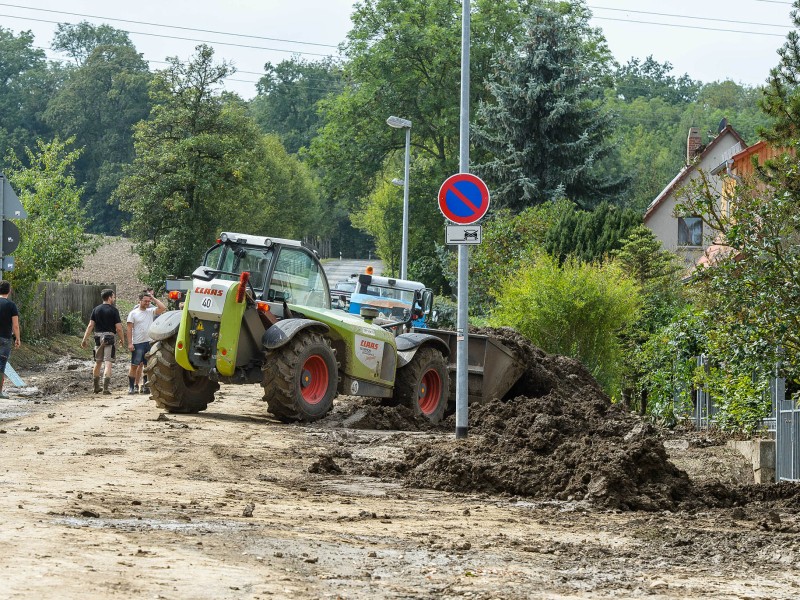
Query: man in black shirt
[(105, 321), (9, 330)]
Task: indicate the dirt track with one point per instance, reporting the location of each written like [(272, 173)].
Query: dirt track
[(105, 497)]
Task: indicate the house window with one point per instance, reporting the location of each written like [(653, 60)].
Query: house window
[(690, 231)]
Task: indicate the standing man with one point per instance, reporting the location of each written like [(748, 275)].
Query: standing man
[(139, 321), (105, 321), (9, 330)]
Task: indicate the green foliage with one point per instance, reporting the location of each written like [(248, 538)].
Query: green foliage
[(288, 93), (25, 87), (80, 40), (446, 314), (401, 57), (99, 103), (508, 243), (53, 236), (72, 324), (741, 399), (382, 217), (544, 128), (650, 79), (575, 309), (590, 235)]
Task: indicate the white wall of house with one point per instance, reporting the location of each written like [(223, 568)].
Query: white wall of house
[(660, 217)]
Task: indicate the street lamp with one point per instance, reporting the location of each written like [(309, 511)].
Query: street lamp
[(399, 123)]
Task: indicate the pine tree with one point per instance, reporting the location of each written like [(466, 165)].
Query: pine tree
[(545, 130)]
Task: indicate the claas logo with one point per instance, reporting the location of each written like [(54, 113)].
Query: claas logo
[(207, 291)]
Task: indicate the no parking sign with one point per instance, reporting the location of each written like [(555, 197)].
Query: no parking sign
[(464, 198)]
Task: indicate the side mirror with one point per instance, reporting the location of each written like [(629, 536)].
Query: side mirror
[(427, 301)]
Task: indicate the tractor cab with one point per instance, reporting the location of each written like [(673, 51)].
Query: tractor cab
[(280, 270), (394, 299)]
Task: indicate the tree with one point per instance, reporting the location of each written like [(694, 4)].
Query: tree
[(590, 235), (99, 103), (401, 59), (80, 40), (544, 126), (194, 172), (25, 87), (575, 309), (287, 99), (651, 79), (382, 218), (53, 237), (657, 272)]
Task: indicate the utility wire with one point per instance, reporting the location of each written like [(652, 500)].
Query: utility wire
[(690, 26), (256, 37), (175, 37), (644, 12)]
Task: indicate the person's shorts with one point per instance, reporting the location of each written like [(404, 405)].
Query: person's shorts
[(6, 344), (139, 350), (108, 351)]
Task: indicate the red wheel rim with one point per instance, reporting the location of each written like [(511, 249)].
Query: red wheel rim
[(314, 380), (430, 389)]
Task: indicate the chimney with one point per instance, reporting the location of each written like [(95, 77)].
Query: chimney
[(693, 143)]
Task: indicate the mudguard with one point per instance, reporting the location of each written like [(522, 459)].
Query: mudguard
[(409, 343), (166, 325), (283, 331)]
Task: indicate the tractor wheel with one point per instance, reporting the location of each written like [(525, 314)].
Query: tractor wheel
[(300, 378), (172, 387), (424, 385)]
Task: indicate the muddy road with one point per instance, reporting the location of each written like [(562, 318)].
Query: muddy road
[(107, 497)]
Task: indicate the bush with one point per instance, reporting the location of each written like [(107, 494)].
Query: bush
[(72, 324), (577, 310)]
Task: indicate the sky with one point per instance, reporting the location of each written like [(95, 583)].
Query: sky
[(708, 39)]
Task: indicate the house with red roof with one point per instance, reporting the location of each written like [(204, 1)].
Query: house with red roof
[(686, 236)]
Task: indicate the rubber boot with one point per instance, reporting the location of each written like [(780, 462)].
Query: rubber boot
[(96, 385), (106, 383)]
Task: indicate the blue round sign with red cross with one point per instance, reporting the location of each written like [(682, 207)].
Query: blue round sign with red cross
[(463, 198)]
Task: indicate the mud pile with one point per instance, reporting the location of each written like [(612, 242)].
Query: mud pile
[(557, 437)]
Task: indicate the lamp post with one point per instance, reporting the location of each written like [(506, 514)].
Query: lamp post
[(399, 123)]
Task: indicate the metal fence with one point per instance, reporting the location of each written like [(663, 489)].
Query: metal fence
[(787, 432)]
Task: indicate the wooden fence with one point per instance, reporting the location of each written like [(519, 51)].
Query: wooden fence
[(60, 299)]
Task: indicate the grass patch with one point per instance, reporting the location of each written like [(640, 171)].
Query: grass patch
[(36, 354)]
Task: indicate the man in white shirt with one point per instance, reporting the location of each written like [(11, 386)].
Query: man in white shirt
[(139, 321)]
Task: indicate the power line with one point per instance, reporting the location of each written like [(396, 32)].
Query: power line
[(775, 2), (690, 27), (175, 37), (658, 14), (257, 37)]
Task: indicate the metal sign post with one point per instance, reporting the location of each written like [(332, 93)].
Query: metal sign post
[(462, 335)]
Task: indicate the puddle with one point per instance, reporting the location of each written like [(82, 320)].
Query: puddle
[(154, 524)]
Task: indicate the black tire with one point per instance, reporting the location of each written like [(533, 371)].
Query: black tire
[(300, 378), (175, 389), (424, 385)]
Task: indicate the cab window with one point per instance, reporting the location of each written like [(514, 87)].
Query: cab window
[(298, 279)]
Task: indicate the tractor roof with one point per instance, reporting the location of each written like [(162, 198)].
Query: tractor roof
[(256, 240)]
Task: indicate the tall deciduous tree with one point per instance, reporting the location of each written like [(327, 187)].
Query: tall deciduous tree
[(99, 103), (544, 126), (403, 57), (53, 237), (193, 173), (288, 93), (26, 84), (79, 40)]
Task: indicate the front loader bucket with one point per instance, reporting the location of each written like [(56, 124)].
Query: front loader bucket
[(492, 367)]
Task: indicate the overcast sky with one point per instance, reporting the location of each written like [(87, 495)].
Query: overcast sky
[(693, 43)]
